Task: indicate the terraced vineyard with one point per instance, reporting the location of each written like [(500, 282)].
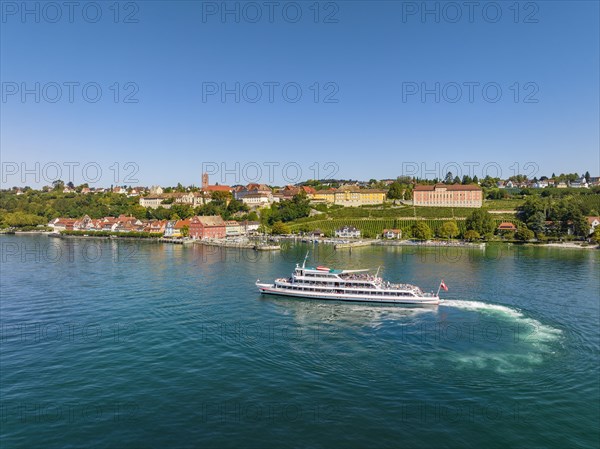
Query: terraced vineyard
[(396, 212), (592, 202), (419, 212), (375, 226)]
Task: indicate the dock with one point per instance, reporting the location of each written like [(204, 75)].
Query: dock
[(353, 244), (175, 241)]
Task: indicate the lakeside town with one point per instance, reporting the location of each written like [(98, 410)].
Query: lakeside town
[(562, 208)]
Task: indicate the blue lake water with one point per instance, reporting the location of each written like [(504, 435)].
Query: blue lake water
[(135, 344)]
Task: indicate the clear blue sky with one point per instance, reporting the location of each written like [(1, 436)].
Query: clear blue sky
[(376, 55)]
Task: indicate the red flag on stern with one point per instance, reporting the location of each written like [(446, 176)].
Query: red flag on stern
[(443, 285)]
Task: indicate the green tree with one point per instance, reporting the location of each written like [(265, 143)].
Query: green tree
[(581, 227), (185, 231), (471, 235), (533, 205), (21, 219), (449, 229), (235, 206), (489, 182), (396, 191), (480, 221), (58, 185), (182, 210), (524, 234), (288, 210), (421, 231), (220, 199), (537, 222), (596, 235), (280, 228)]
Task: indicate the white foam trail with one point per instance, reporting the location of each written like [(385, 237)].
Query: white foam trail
[(529, 341), (481, 306), (539, 332)]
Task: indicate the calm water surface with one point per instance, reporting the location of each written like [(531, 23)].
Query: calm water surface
[(108, 344)]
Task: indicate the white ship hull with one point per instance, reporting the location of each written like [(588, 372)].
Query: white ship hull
[(272, 289)]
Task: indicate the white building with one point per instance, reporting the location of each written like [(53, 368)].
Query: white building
[(193, 199), (250, 227), (152, 201), (258, 199), (233, 228), (348, 232), (156, 190)]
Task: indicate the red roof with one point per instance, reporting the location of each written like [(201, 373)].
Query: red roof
[(507, 225), (424, 187), (208, 220), (66, 221), (216, 188), (254, 186), (181, 223)]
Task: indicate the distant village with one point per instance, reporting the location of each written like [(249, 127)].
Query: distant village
[(450, 193), (257, 196)]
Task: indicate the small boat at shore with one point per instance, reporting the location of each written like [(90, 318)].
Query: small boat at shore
[(347, 285)]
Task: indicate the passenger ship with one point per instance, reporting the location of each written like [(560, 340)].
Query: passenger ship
[(347, 285)]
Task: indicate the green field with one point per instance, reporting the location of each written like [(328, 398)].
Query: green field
[(508, 204)]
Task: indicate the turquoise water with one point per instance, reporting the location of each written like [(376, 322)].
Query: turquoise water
[(115, 344)]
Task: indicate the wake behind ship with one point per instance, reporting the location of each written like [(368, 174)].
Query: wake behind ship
[(346, 285)]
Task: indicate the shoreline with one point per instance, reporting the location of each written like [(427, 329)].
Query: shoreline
[(428, 243), (566, 245), (337, 245)]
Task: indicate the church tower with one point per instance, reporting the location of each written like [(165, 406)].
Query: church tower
[(204, 179)]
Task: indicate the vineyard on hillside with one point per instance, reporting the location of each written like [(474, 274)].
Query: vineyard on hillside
[(395, 212), (375, 226), (591, 202)]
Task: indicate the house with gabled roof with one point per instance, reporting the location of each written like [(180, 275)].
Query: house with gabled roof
[(207, 227), (392, 234), (593, 222), (157, 226), (506, 226), (62, 224), (174, 228), (349, 232)]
